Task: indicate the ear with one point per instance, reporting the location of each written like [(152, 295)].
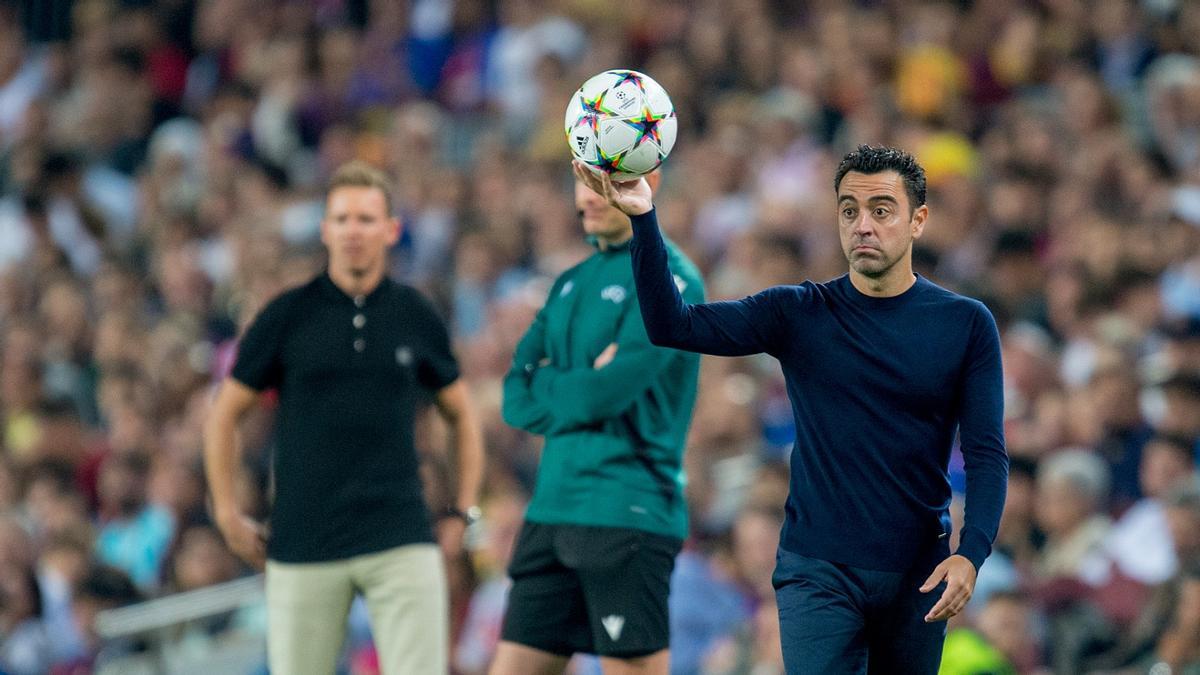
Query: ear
[(917, 222), (395, 228), (325, 231), (654, 178)]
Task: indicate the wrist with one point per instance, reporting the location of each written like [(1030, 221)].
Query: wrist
[(469, 515), (225, 512)]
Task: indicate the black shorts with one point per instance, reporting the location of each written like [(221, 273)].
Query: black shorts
[(596, 590)]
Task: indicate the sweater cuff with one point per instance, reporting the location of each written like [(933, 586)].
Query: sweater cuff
[(648, 219), (974, 545)]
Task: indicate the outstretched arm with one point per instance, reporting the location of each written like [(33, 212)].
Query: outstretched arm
[(734, 328)]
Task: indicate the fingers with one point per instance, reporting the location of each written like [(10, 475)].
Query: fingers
[(259, 559), (591, 179), (606, 356), (950, 604), (254, 553), (450, 537), (248, 539), (610, 192), (599, 182), (583, 175), (953, 600), (606, 189), (934, 579)]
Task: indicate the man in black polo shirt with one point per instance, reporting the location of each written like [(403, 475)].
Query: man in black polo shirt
[(349, 353)]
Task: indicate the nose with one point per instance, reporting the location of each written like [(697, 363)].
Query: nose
[(863, 225), (354, 228)]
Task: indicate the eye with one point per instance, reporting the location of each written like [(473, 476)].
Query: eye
[(847, 212), (880, 212)]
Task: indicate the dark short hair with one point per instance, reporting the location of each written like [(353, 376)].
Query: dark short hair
[(1179, 444), (108, 586), (867, 159), (1183, 382)]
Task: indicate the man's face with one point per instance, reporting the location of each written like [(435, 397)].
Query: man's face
[(1162, 468), (357, 230), (1005, 624), (599, 217), (875, 223), (121, 490)]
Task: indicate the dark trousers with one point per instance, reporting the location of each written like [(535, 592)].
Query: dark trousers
[(835, 618)]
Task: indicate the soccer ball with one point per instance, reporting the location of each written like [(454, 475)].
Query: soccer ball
[(621, 122)]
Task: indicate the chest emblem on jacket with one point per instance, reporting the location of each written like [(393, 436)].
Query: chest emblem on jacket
[(614, 293)]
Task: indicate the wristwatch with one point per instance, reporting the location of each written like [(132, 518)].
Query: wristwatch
[(470, 516)]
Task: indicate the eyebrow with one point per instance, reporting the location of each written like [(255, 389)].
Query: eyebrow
[(875, 198)]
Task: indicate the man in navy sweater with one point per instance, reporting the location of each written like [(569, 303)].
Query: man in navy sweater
[(882, 368)]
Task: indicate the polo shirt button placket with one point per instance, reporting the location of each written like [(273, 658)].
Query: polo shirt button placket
[(359, 321)]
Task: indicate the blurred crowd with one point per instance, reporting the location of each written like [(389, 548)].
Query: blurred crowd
[(161, 170)]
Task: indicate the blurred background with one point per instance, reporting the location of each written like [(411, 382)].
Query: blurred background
[(161, 170)]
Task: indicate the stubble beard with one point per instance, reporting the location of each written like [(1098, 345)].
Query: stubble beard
[(872, 268)]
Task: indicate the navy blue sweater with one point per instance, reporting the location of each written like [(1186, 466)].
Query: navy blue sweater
[(878, 388)]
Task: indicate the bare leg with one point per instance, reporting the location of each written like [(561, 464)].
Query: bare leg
[(650, 664), (515, 659)]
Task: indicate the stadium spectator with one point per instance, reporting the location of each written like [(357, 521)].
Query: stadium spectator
[(1139, 543), (1000, 643), (135, 534), (1072, 487), (25, 642), (101, 588)]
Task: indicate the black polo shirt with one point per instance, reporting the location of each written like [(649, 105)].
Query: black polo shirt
[(350, 373)]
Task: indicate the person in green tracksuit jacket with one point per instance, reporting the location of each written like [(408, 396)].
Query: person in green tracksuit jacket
[(592, 565)]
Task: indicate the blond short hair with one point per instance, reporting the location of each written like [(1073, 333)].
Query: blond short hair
[(360, 174)]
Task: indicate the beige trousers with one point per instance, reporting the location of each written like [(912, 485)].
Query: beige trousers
[(405, 593)]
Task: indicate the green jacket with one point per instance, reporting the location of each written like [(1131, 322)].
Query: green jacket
[(614, 435)]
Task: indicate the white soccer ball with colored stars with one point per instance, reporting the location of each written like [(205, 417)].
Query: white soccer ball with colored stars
[(621, 122)]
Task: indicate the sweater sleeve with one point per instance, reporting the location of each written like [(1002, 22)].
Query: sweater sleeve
[(732, 328), (981, 436)]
